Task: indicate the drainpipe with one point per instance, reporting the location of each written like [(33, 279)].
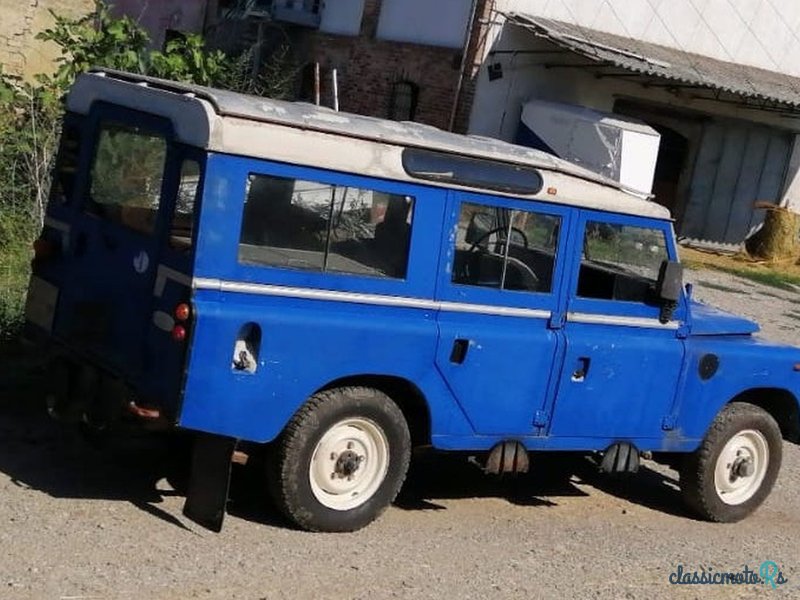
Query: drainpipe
[(464, 53)]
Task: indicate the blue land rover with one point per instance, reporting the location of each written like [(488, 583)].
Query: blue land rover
[(341, 289)]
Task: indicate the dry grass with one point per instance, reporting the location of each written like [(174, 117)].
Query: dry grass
[(783, 274)]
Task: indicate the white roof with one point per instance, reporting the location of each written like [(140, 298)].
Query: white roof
[(300, 133)]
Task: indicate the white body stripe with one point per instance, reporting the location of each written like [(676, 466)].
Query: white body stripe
[(358, 298), (591, 318)]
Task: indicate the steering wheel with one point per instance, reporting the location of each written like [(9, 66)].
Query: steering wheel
[(478, 242), (517, 264)]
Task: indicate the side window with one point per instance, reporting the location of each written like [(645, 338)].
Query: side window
[(620, 262), (126, 176), (67, 165), (181, 228), (505, 249), (322, 227)]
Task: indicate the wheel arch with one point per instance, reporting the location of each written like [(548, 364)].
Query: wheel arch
[(408, 397), (778, 402)]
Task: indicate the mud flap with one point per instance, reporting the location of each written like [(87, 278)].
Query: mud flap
[(209, 480)]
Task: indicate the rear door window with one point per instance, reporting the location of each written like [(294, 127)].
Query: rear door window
[(126, 176), (315, 226)]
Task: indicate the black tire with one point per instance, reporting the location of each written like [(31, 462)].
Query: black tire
[(697, 480), (289, 465)]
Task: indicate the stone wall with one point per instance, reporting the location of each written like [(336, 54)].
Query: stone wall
[(20, 20)]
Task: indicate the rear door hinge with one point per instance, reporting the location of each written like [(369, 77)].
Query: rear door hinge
[(668, 423), (541, 418)]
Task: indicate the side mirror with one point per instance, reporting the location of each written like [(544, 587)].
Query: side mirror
[(668, 288)]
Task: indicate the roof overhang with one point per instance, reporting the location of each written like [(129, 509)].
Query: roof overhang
[(656, 66)]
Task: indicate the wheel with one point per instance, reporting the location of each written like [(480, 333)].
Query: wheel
[(734, 469), (341, 460)]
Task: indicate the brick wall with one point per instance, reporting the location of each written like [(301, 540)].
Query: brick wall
[(368, 68), (20, 20)]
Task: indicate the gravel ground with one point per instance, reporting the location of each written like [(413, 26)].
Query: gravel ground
[(86, 522)]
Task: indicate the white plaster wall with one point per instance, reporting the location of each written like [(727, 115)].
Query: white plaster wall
[(341, 17), (433, 22), (497, 105), (762, 33)]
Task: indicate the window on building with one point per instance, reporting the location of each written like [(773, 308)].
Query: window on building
[(317, 226), (620, 262), (506, 249), (404, 101), (126, 176)]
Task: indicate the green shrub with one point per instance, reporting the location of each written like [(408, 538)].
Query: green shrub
[(30, 119)]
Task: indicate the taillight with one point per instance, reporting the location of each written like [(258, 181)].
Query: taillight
[(182, 312), (179, 333)]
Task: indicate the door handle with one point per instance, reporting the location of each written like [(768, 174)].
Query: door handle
[(581, 369), (459, 351)]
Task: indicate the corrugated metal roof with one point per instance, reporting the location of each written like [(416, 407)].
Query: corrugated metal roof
[(653, 60)]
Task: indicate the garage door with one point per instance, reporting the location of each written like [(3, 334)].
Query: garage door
[(737, 164)]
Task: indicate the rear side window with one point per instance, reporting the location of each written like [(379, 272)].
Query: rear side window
[(126, 176), (455, 169), (181, 233), (506, 249), (316, 226), (67, 164)]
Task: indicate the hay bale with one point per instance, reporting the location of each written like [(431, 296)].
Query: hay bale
[(777, 238)]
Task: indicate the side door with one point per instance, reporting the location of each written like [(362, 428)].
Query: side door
[(498, 288), (621, 365)]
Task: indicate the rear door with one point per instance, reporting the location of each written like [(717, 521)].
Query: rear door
[(498, 289), (114, 247)]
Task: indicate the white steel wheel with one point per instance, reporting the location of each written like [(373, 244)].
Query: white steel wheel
[(741, 467), (735, 467), (341, 459), (349, 463)]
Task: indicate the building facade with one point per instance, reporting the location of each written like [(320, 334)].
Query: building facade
[(397, 59), (717, 80), (20, 52)]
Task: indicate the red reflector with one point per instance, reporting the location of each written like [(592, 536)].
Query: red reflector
[(179, 333), (183, 312), (552, 191)]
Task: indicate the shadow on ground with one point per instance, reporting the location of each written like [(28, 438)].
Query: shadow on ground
[(38, 453)]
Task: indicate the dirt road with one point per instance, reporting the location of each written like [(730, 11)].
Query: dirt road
[(84, 522)]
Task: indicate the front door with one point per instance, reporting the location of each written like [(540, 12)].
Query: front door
[(498, 287), (621, 364)]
